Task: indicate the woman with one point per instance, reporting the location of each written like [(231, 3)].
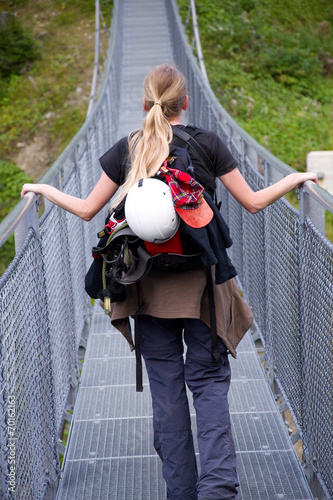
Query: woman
[(176, 304)]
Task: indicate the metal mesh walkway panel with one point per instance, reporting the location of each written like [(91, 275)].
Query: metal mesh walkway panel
[(111, 455), (111, 452)]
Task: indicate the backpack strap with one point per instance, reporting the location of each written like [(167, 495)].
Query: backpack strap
[(216, 356), (184, 135), (137, 341)]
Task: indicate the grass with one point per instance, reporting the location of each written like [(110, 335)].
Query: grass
[(271, 66), (11, 180)]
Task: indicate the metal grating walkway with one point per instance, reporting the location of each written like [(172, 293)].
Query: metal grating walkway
[(110, 453)]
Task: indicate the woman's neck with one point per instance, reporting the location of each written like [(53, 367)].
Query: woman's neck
[(176, 120)]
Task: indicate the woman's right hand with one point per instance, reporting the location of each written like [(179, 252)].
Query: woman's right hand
[(31, 188), (301, 177)]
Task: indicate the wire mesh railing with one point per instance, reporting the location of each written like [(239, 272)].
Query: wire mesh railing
[(285, 270), (284, 266)]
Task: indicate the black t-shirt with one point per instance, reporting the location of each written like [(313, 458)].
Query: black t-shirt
[(115, 162)]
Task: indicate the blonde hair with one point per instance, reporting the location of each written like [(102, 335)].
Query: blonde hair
[(165, 93)]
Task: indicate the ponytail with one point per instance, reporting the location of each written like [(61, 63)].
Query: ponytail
[(165, 94)]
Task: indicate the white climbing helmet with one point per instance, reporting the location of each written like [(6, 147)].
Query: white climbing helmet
[(150, 212)]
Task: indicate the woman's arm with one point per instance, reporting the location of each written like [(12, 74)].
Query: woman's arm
[(254, 201), (85, 209)]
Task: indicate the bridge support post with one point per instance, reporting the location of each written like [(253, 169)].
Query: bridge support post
[(317, 487), (309, 207), (29, 220), (51, 492)]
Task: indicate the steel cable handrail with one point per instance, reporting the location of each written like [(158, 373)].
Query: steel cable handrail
[(195, 25), (11, 221), (323, 197)]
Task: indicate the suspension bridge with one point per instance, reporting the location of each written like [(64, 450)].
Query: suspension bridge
[(285, 268)]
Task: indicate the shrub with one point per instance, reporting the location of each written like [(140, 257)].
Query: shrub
[(17, 47), (12, 179)]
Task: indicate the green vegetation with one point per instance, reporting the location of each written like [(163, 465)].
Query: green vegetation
[(12, 179), (17, 48), (46, 66), (271, 66), (42, 98)]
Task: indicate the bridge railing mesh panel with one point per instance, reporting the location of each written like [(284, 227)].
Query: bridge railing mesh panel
[(77, 248), (27, 400), (58, 292), (316, 311), (254, 253), (283, 346)]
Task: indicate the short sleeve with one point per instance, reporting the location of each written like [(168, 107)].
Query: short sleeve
[(217, 150), (114, 162)]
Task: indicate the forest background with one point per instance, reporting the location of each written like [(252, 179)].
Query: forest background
[(269, 63)]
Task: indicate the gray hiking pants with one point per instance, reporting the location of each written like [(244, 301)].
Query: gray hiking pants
[(162, 350)]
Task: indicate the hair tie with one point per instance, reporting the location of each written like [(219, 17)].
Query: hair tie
[(158, 102)]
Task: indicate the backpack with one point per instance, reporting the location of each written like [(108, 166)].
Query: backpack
[(121, 258)]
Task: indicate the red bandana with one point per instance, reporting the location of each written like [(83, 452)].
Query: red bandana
[(187, 197)]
